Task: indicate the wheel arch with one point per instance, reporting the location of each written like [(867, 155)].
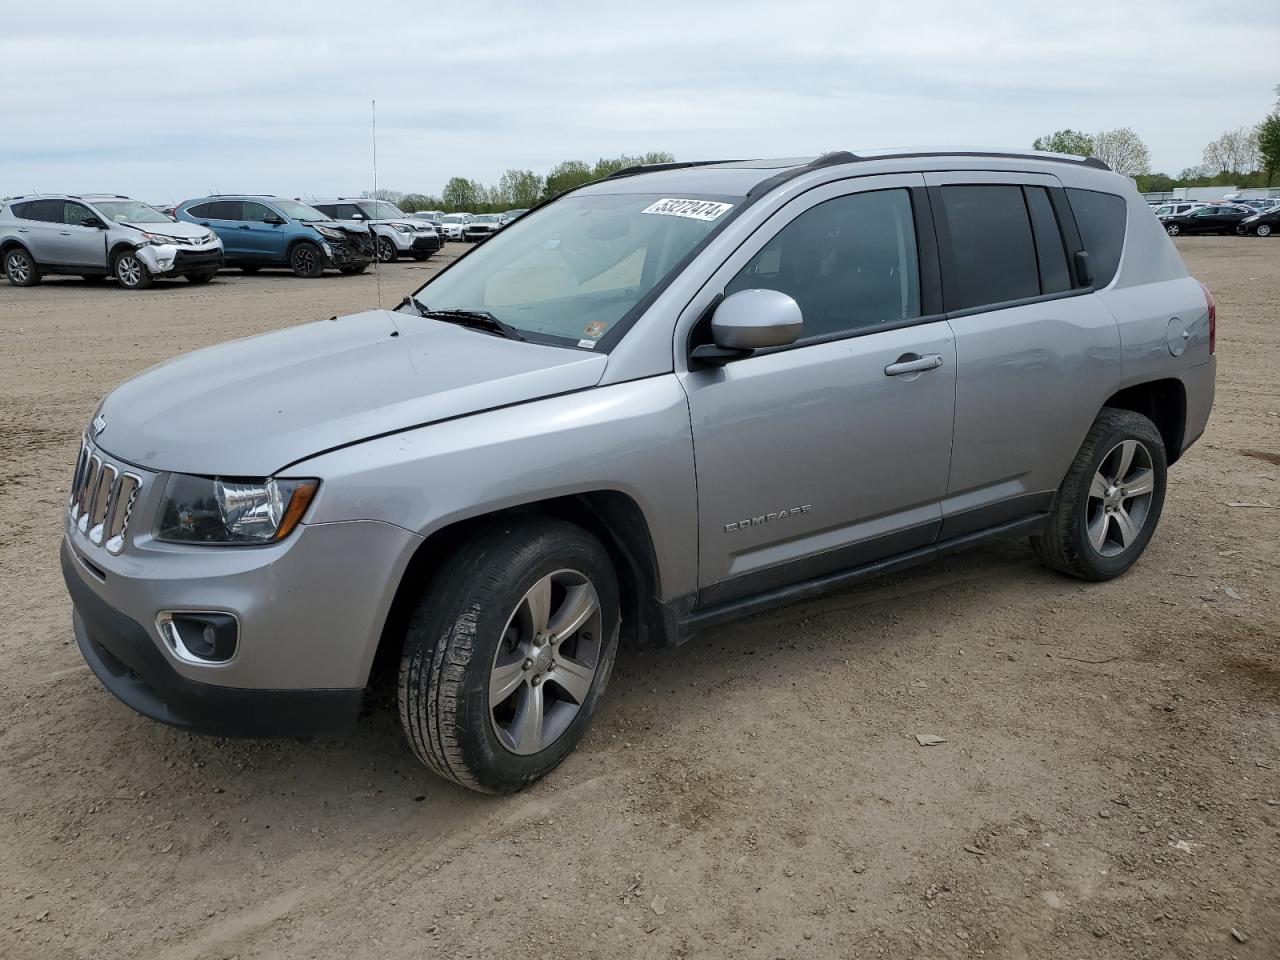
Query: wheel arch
[(117, 248), (612, 516), (1164, 403), (11, 243)]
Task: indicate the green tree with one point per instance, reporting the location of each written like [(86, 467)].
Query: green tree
[(413, 202), (1268, 134), (1123, 151), (462, 194), (566, 176), (1065, 141), (521, 188), (607, 165)]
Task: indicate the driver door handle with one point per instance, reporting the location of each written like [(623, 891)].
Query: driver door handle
[(910, 363)]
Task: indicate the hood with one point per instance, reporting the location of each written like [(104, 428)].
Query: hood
[(176, 228), (251, 407), (346, 226)]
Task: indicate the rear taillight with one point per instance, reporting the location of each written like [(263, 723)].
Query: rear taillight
[(1213, 318)]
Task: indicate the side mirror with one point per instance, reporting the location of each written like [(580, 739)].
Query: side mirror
[(357, 216), (750, 320), (272, 219), (93, 222)]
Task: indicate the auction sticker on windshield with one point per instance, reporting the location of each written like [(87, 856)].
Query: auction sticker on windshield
[(692, 209)]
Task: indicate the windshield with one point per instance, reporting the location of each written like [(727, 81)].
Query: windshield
[(299, 211), (452, 218), (130, 211), (381, 211), (576, 267), (486, 218)]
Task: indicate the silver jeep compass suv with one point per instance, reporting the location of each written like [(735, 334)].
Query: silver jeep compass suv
[(101, 235), (672, 397)]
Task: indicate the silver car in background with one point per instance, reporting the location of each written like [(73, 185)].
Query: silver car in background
[(396, 234), (101, 235), (873, 359)]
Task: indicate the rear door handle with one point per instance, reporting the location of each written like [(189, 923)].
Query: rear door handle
[(244, 226), (24, 229), (911, 363), (64, 233)]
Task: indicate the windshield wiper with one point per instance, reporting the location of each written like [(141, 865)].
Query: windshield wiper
[(475, 319)]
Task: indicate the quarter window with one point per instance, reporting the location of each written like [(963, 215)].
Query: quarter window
[(991, 242), (45, 211), (850, 263), (1051, 254), (226, 210), (1101, 219)]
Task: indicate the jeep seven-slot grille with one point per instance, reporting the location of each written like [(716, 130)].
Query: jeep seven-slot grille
[(102, 497)]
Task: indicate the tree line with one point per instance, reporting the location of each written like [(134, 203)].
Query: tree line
[(1244, 157), (517, 189)]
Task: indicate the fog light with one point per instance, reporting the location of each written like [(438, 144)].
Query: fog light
[(198, 637)]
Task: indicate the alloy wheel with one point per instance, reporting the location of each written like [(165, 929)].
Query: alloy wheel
[(1264, 230), (17, 267), (386, 250), (1120, 498), (1173, 229), (304, 259), (128, 270), (546, 662)]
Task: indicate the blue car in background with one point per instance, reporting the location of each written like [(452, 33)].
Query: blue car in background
[(264, 231)]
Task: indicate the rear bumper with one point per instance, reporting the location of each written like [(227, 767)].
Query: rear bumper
[(124, 658)]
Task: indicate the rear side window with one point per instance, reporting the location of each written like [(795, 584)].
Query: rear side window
[(46, 211), (1101, 219), (991, 242), (850, 263), (1050, 251), (225, 210), (199, 210)]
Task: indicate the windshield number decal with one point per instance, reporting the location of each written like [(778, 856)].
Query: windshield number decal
[(690, 209)]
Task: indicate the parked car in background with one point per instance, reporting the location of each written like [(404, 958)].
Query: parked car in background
[(266, 231), (395, 233), (482, 227), (509, 215), (453, 224), (1262, 204), (1177, 208), (102, 235), (513, 472), (1215, 218), (432, 215), (1263, 223)]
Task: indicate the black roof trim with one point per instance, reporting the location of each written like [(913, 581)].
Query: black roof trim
[(1004, 155), (781, 177), (655, 167)]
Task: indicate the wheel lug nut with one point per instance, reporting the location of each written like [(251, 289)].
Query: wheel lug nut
[(528, 665)]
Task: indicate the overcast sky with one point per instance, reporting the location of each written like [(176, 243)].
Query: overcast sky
[(168, 101)]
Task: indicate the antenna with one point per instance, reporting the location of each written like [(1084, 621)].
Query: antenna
[(377, 265)]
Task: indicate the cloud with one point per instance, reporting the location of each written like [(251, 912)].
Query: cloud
[(166, 103)]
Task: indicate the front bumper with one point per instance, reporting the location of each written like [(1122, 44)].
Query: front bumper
[(425, 243), (122, 655), (170, 260), (349, 252)]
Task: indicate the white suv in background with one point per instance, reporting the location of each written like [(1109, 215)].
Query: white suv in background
[(396, 233), (101, 235)]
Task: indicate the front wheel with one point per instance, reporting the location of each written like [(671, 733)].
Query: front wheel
[(1263, 230), (306, 260), (1173, 230), (20, 268), (508, 654), (131, 273), (387, 252), (1107, 508)]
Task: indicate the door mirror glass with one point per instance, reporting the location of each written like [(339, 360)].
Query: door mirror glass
[(93, 222), (272, 219), (752, 319)]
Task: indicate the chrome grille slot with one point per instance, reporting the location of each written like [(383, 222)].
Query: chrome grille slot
[(102, 499)]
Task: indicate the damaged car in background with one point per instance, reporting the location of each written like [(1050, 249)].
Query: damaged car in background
[(101, 235), (395, 233)]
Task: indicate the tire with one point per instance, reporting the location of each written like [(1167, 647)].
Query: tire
[(201, 277), (306, 260), (387, 252), (475, 627), (352, 271), (1173, 229), (1262, 230), (1084, 535), (130, 272), (20, 267)]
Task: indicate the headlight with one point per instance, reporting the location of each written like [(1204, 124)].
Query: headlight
[(232, 511), (158, 238), (329, 232), (403, 227)]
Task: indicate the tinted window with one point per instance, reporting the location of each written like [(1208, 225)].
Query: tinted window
[(995, 259), (47, 211), (225, 210), (1101, 219), (76, 213), (1050, 251), (850, 263), (341, 211), (199, 210)]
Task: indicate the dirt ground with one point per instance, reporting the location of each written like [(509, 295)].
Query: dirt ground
[(1109, 785)]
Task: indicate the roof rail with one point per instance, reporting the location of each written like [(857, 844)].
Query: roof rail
[(654, 167), (1001, 154)]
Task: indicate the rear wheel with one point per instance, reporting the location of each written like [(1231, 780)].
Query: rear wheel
[(306, 260), (1173, 229), (1107, 508), (387, 252), (130, 272), (20, 268), (1263, 230), (508, 654)]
